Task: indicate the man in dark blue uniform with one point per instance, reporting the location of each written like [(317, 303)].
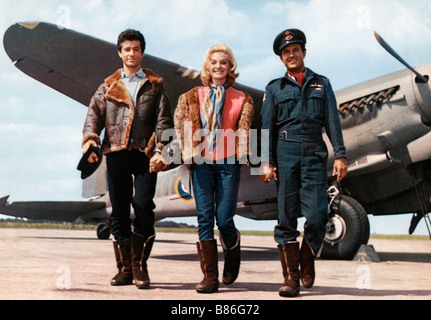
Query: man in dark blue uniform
[(296, 109)]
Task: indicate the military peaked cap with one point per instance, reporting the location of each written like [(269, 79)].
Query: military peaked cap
[(87, 168), (287, 37)]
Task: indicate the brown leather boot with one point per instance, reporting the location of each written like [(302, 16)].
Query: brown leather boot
[(141, 249), (306, 260), (122, 252), (289, 257), (207, 251), (232, 260)]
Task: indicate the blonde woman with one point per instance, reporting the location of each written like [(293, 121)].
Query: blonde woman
[(215, 113)]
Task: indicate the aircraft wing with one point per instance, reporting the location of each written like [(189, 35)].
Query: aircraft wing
[(76, 64), (50, 210)]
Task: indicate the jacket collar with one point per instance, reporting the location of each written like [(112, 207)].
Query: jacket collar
[(309, 74), (117, 90), (152, 77)]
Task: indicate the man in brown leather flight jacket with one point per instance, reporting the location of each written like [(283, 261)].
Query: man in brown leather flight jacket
[(133, 107)]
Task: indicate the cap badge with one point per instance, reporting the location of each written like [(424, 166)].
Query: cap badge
[(288, 36)]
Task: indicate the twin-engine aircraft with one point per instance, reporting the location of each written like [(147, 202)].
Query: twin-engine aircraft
[(386, 124)]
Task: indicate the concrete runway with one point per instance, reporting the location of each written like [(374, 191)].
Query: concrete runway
[(75, 265)]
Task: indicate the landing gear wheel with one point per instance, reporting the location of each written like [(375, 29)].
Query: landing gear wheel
[(348, 228), (103, 231)]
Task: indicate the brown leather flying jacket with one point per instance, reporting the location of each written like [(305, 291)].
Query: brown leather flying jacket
[(111, 108)]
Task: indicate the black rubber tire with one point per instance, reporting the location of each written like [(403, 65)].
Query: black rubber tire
[(356, 229), (103, 231)]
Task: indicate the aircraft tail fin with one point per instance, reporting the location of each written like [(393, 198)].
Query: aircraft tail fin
[(3, 201), (96, 185)]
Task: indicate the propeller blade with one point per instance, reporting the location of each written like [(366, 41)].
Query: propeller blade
[(388, 48)]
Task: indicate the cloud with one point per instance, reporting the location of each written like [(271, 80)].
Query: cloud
[(34, 159), (13, 107)]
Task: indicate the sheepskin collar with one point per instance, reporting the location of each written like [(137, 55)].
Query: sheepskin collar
[(117, 90), (153, 77)]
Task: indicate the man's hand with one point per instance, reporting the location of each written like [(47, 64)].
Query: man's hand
[(268, 171), (93, 156), (340, 168), (157, 163)]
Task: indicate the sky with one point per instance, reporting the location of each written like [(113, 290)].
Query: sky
[(41, 130)]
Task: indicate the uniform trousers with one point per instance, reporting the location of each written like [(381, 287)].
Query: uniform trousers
[(301, 188), (128, 170)]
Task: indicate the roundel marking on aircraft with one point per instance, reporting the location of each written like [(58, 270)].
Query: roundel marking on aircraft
[(181, 192)]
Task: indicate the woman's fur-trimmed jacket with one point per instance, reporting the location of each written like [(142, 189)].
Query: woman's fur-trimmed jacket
[(188, 109), (112, 108)]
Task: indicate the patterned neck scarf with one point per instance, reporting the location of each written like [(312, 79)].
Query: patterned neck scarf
[(212, 114)]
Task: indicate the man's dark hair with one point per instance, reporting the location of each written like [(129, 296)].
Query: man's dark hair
[(131, 35)]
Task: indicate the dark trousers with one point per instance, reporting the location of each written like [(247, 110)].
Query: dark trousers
[(301, 186), (128, 169)]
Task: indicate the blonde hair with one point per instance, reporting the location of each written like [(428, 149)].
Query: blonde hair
[(205, 74)]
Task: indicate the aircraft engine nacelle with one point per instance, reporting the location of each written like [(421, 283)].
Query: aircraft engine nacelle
[(422, 93), (383, 115)]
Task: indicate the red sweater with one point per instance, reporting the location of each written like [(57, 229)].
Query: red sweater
[(234, 101)]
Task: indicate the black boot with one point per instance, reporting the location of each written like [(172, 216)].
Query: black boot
[(141, 249), (207, 251), (232, 260), (122, 252)]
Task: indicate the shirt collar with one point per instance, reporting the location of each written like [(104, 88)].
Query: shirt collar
[(140, 74)]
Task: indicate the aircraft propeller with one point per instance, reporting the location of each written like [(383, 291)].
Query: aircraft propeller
[(420, 78)]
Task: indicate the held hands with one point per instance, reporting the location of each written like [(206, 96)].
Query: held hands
[(340, 168), (157, 163), (93, 156), (268, 171)]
